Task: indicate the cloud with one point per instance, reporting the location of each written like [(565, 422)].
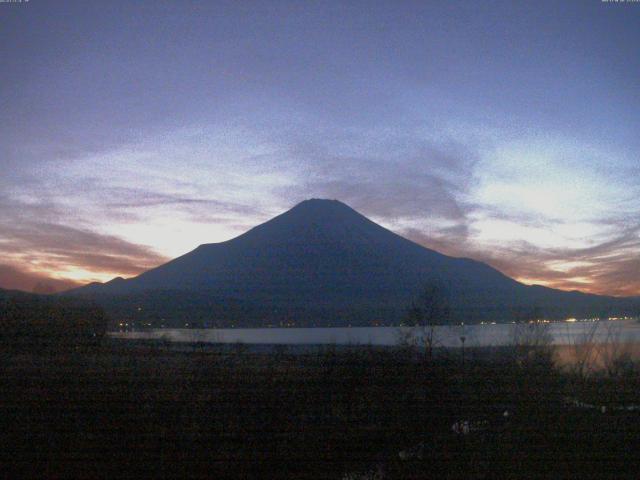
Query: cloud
[(38, 247), (609, 268), (13, 278), (393, 179), (55, 245), (208, 184), (137, 199)]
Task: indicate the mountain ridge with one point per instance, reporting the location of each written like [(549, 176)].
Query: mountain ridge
[(324, 256)]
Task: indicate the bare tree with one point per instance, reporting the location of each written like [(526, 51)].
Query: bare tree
[(531, 338), (615, 353), (431, 310), (584, 350)]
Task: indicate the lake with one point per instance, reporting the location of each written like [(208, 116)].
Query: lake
[(482, 335)]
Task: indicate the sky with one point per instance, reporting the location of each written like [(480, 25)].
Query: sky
[(134, 131)]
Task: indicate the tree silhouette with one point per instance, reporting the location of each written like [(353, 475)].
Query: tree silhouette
[(431, 310)]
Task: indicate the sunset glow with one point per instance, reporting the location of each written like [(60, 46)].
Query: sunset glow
[(125, 144)]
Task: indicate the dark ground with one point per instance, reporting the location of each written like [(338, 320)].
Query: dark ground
[(127, 410)]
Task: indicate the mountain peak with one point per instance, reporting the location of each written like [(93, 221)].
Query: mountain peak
[(321, 208), (323, 204), (312, 220), (321, 201), (331, 218)]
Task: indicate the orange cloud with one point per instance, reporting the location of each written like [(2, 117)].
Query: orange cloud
[(13, 278), (610, 268)]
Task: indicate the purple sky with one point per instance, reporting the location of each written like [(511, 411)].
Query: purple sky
[(134, 131)]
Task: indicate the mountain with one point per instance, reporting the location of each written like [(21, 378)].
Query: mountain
[(324, 263)]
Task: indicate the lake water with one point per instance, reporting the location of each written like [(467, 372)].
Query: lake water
[(484, 335)]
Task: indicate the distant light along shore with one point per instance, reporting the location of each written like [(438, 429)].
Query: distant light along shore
[(568, 332)]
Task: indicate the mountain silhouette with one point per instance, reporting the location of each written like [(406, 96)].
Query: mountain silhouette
[(324, 263)]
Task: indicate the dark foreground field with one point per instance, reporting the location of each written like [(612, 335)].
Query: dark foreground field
[(133, 411)]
